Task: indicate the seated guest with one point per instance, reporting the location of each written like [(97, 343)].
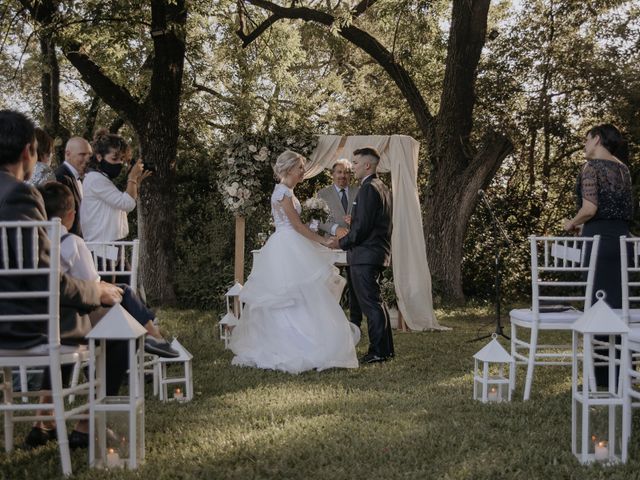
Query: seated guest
[(20, 201), (42, 173), (77, 262)]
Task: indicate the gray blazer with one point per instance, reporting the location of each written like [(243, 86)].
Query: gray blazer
[(330, 195), (19, 201)]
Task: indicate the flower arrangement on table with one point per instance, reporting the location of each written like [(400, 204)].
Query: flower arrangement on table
[(388, 288), (314, 211)]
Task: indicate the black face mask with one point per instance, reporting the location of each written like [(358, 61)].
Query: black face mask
[(111, 169)]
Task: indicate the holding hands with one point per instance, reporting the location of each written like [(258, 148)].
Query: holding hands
[(332, 242), (341, 232)]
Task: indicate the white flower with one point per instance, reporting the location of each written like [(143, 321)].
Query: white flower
[(253, 149)]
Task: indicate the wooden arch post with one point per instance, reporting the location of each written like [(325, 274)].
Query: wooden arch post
[(239, 259)]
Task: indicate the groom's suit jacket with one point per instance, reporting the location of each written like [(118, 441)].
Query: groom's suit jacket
[(369, 239), (19, 201), (332, 197)]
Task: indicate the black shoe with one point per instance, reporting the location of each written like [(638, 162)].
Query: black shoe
[(372, 358), (78, 440), (161, 347), (38, 437)]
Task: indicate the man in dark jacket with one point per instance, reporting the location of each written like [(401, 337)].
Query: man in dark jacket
[(368, 246), (20, 201)]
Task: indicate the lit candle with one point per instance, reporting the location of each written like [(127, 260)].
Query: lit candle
[(493, 394), (602, 452), (113, 459), (178, 394)]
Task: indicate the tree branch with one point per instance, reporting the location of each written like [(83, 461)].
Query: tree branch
[(116, 96), (248, 38), (373, 48), (362, 7), (203, 88)]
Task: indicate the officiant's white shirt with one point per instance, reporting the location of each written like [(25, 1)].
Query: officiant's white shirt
[(334, 228)]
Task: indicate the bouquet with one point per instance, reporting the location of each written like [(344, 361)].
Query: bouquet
[(314, 211)]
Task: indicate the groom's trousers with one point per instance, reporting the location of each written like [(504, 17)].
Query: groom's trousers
[(365, 280)]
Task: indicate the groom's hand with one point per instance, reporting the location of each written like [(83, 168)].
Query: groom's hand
[(341, 232)]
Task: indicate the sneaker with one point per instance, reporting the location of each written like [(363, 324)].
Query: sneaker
[(38, 437), (159, 347)]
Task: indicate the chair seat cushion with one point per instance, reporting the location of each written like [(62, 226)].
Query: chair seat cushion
[(634, 314), (526, 315), (634, 334)]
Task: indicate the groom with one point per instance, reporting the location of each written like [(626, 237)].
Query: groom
[(368, 246)]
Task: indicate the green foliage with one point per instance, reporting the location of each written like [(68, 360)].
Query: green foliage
[(408, 419)]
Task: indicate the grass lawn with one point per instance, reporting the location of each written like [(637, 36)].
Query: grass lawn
[(411, 418)]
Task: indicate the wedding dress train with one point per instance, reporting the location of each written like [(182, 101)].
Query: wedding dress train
[(292, 320)]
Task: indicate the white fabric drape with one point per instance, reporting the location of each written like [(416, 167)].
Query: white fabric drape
[(399, 155)]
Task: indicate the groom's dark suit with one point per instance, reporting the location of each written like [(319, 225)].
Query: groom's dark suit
[(368, 246)]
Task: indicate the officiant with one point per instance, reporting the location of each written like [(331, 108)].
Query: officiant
[(339, 197)]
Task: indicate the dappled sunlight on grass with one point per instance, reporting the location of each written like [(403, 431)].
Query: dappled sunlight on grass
[(410, 418)]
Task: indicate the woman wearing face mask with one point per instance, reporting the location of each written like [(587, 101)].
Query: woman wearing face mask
[(104, 208)]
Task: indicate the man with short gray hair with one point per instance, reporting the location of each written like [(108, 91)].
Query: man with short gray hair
[(77, 153)]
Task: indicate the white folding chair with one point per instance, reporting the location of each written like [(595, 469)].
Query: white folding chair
[(19, 253), (630, 278), (117, 259), (558, 268)]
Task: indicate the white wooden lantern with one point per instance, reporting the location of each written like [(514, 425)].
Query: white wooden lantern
[(226, 325), (116, 423), (490, 384), (184, 383), (234, 312), (597, 414)]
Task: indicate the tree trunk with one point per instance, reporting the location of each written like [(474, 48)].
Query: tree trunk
[(50, 89), (157, 219), (451, 200)]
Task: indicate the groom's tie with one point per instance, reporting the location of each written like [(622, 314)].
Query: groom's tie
[(343, 200)]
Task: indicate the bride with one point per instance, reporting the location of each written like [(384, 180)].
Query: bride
[(292, 320)]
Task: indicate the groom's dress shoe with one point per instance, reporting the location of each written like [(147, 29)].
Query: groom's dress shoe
[(372, 358)]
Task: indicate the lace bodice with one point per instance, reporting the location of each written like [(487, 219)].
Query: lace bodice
[(280, 218), (606, 184)]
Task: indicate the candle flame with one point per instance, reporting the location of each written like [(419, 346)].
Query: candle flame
[(593, 438), (602, 444), (178, 390), (111, 451)]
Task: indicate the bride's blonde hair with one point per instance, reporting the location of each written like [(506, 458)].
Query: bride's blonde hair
[(285, 162)]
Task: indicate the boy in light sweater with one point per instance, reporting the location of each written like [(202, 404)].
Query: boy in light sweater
[(76, 261)]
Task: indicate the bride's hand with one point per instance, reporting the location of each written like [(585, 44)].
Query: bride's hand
[(331, 242)]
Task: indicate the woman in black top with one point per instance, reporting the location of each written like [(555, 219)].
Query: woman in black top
[(605, 205)]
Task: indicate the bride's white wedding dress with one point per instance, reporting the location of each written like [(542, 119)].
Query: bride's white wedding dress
[(291, 320)]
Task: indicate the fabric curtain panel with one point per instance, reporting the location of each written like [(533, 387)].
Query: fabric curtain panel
[(399, 155)]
